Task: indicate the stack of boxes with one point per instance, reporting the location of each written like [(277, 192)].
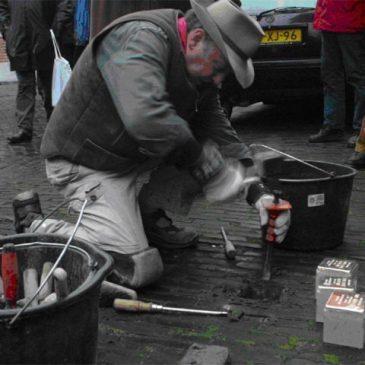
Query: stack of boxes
[(338, 305)]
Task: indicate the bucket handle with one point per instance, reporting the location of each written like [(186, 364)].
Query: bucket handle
[(53, 267), (54, 244), (331, 174)]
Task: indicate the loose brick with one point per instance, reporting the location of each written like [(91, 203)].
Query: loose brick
[(198, 354)]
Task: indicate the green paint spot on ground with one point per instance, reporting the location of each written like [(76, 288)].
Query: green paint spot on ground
[(331, 359), (210, 333), (111, 330), (247, 343), (292, 343)]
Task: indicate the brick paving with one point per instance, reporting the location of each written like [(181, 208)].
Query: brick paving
[(275, 329), (3, 55)]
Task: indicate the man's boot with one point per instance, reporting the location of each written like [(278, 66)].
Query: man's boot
[(27, 208), (357, 160), (162, 233), (136, 270)]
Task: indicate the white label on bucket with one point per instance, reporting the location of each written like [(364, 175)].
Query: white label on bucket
[(315, 200)]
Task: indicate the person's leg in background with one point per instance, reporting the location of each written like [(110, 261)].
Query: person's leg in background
[(353, 50), (357, 159), (78, 49), (111, 219), (25, 107), (67, 52), (45, 78), (333, 78)]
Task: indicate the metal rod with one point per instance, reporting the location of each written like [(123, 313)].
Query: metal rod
[(53, 267), (193, 311), (331, 174), (266, 274), (224, 234), (52, 212)]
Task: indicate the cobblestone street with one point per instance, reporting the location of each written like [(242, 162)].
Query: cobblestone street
[(274, 330)]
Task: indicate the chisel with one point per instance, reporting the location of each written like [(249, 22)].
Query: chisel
[(47, 289), (229, 249), (60, 283), (269, 235), (30, 283)]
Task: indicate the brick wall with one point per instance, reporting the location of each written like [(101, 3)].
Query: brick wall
[(3, 57)]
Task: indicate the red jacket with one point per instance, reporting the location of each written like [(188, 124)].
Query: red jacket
[(340, 15)]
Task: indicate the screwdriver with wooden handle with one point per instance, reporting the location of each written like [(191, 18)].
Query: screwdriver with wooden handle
[(140, 306), (229, 249)]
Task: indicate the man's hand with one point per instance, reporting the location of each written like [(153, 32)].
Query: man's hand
[(227, 184), (209, 164), (220, 179), (281, 223)]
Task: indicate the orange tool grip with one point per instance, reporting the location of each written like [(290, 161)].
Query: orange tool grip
[(274, 212), (9, 273)]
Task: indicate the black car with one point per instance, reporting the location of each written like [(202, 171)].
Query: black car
[(287, 64)]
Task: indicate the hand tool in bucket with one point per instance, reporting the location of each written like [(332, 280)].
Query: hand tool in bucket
[(50, 273), (9, 273)]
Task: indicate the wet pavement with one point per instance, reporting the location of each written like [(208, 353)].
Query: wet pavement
[(276, 320)]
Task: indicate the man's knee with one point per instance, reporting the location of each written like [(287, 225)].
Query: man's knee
[(139, 269)]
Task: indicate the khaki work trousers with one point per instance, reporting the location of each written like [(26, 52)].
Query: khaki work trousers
[(112, 217)]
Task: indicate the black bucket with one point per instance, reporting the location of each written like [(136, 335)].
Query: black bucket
[(320, 203), (64, 332)]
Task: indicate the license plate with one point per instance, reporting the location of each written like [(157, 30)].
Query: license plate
[(282, 36)]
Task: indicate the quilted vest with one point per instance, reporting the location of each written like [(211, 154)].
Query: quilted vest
[(85, 127)]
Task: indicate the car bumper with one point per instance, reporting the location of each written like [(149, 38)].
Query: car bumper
[(287, 64), (285, 80)]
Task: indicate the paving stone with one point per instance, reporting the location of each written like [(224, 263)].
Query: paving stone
[(198, 354)]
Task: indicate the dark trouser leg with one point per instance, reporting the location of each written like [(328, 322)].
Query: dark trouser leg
[(360, 144), (333, 78), (25, 100), (353, 53), (77, 53), (45, 77), (174, 191)]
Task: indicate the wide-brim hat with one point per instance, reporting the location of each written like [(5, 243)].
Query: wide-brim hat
[(235, 33)]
